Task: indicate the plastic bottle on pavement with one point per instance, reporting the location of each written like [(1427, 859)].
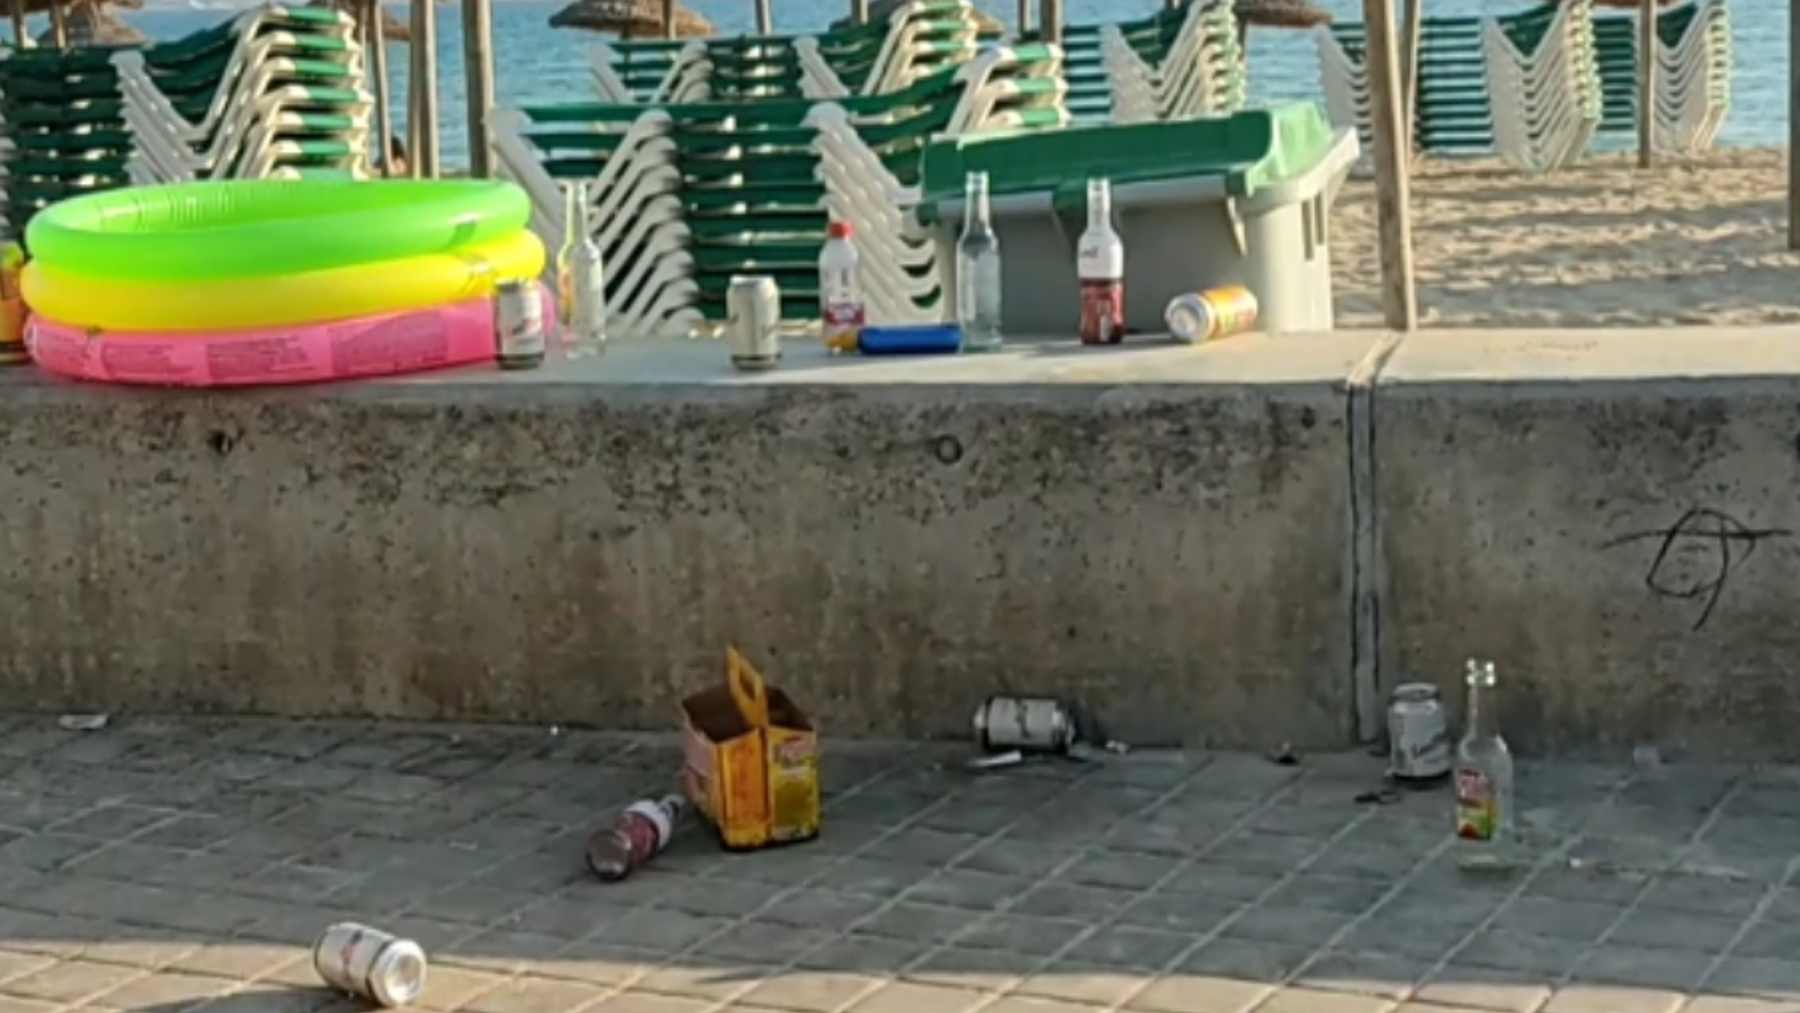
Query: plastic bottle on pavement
[(640, 832), (840, 290)]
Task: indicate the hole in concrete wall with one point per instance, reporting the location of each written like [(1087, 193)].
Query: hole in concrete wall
[(947, 449), (1308, 418), (221, 442)]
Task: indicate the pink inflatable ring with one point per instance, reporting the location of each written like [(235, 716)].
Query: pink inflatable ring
[(378, 345)]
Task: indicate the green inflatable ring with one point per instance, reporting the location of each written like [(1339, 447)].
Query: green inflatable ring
[(255, 228)]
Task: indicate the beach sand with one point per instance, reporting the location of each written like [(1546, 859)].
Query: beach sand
[(1603, 244)]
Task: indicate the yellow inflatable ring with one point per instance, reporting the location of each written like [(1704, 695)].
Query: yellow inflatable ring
[(335, 293)]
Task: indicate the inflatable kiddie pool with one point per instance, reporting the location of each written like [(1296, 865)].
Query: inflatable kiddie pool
[(251, 282)]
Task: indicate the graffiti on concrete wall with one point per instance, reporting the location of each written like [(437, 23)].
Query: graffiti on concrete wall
[(1695, 556)]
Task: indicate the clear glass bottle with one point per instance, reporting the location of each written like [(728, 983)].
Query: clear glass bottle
[(1100, 267), (978, 271), (586, 323), (1485, 824), (565, 255)]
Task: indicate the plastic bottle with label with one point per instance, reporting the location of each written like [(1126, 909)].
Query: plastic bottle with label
[(1100, 264), (640, 832), (840, 292)]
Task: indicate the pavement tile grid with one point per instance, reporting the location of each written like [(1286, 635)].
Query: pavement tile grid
[(170, 864)]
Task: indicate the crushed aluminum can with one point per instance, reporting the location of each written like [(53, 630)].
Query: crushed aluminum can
[(1418, 733), (1032, 723), (370, 963)]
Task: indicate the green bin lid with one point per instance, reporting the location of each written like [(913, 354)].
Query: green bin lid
[(1251, 150)]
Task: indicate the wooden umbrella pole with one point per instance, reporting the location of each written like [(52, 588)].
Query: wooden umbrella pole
[(1398, 300), (1646, 82), (859, 11), (21, 38), (1025, 19), (1409, 70), (415, 140), (1053, 20), (59, 26), (1794, 124), (765, 17), (384, 99), (424, 43), (668, 18), (478, 70)]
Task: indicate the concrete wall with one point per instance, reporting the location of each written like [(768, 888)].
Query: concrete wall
[(1159, 533), (1239, 544), (1614, 518)]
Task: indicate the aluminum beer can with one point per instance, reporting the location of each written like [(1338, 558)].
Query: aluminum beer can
[(1214, 313), (1418, 734), (1039, 723), (519, 325), (753, 303), (370, 963)]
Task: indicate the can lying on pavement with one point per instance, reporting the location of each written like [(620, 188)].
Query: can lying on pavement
[(1037, 723), (370, 963), (1215, 313)]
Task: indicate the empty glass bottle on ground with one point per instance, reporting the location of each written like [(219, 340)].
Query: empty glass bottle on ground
[(1485, 821)]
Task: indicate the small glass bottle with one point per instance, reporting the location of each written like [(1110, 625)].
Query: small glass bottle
[(586, 322), (978, 271), (1100, 267), (1484, 771), (565, 255)]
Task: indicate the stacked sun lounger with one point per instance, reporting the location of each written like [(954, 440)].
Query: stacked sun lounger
[(63, 132), (1188, 55), (1546, 100), (685, 196), (1199, 73), (918, 39), (1472, 88), (1693, 79), (276, 93)]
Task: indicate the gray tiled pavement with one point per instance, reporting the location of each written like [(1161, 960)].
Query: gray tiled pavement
[(166, 864)]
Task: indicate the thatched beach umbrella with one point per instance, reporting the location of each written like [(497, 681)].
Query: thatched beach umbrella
[(89, 23), (58, 19), (881, 10), (392, 28), (630, 18), (1279, 14)]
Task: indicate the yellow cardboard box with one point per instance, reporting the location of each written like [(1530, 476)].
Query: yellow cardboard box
[(751, 760)]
